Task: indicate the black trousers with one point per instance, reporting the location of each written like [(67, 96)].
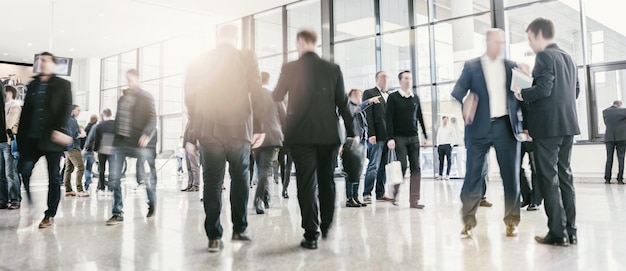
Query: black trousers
[(102, 164), (314, 176), (553, 155), (214, 155), (445, 152), (529, 188), (408, 149), (29, 155), (285, 162), (263, 157), (611, 147)]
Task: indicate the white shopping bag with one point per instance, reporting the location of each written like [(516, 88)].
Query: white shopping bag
[(393, 169)]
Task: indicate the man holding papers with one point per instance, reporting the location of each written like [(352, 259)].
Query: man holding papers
[(552, 123), (495, 123)]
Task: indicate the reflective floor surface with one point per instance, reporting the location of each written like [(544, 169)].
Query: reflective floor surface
[(378, 237)]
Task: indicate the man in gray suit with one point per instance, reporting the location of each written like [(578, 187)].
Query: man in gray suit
[(552, 123), (614, 139)]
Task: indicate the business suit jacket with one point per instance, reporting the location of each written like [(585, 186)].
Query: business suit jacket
[(615, 121), (316, 94), (57, 107), (219, 87), (473, 79), (376, 115), (271, 120), (143, 120), (552, 98)]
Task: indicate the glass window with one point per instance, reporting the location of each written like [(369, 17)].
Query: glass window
[(420, 7), (293, 56), (582, 108), (303, 15), (150, 62), (606, 31), (172, 95), (178, 53), (567, 23), (110, 72), (508, 3), (82, 100), (457, 41), (153, 87), (271, 65), (422, 48), (108, 99), (129, 61), (268, 32), (358, 63), (396, 55), (446, 9), (608, 87), (172, 131), (426, 102), (394, 14), (353, 18), (449, 107)]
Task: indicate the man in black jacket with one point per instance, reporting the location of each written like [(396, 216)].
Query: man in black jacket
[(100, 140), (135, 129), (552, 123), (43, 132), (220, 113), (614, 139), (377, 140), (316, 93)]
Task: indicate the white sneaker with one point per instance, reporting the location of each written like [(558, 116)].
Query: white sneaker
[(439, 178), (447, 178)]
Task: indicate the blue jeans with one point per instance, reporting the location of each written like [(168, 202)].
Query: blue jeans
[(89, 160), (376, 169), (214, 155), (9, 183), (353, 178), (29, 155), (115, 173)]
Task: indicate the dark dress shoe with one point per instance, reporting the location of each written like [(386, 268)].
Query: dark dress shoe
[(554, 241), (186, 189), (285, 194), (309, 244), (351, 203), (573, 240), (14, 206), (607, 182), (258, 205), (151, 210), (511, 231), (4, 206), (620, 182), (266, 203), (324, 231), (384, 198), (532, 207), (215, 245), (524, 204), (46, 222), (241, 237), (360, 203), (193, 189)]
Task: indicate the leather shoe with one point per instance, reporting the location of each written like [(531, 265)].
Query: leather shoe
[(150, 211), (467, 232), (511, 231), (193, 189), (573, 240), (258, 205), (14, 206), (46, 222), (4, 206), (309, 244), (524, 204), (607, 182), (285, 194), (360, 203), (485, 203), (215, 245), (532, 207), (384, 198), (620, 182), (325, 232), (241, 237), (554, 241), (186, 189), (352, 203)]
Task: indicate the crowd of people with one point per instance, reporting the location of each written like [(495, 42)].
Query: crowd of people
[(309, 119)]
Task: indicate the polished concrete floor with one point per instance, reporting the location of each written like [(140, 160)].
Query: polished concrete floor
[(378, 237)]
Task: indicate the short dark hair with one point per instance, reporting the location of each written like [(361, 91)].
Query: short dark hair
[(543, 26), (12, 90), (307, 35), (265, 77), (378, 73), (133, 72), (444, 117), (615, 103), (93, 119), (74, 106), (352, 91), (54, 59), (401, 73), (107, 112)]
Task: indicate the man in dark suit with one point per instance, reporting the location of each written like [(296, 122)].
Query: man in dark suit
[(552, 123), (496, 124), (135, 131), (316, 94), (377, 140), (615, 139), (220, 113), (43, 131)]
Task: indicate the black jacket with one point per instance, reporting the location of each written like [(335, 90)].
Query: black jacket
[(615, 121), (316, 95), (376, 115), (271, 120), (219, 88), (95, 137), (57, 107), (143, 120), (552, 98)]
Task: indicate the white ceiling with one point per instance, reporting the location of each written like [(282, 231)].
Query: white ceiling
[(92, 28)]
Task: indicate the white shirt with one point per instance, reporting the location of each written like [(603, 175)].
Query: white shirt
[(404, 94), (385, 94), (446, 135), (495, 77)]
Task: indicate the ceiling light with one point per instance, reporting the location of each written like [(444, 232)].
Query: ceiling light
[(62, 31), (71, 49), (101, 15), (29, 44), (6, 54), (106, 38)]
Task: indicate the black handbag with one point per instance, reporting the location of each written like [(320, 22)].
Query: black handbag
[(352, 157)]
